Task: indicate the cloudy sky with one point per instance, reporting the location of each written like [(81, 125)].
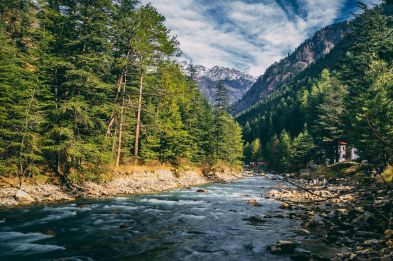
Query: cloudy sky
[(248, 35)]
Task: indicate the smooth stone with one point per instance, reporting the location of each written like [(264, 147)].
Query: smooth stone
[(23, 197)]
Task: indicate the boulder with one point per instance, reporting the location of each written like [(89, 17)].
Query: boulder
[(201, 191), (388, 233), (285, 206), (23, 197), (253, 202), (389, 243), (282, 247), (372, 242), (255, 219), (342, 211), (302, 232)]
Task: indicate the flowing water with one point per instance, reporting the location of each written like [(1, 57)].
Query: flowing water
[(177, 225)]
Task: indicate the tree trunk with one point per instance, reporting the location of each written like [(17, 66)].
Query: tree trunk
[(113, 113), (114, 141), (138, 119), (121, 123)]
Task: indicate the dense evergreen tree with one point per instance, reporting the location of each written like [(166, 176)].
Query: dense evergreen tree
[(284, 152), (338, 104), (85, 84), (373, 125), (302, 150), (228, 135), (20, 110), (79, 62), (325, 109)]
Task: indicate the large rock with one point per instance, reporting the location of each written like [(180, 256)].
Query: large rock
[(253, 202), (23, 197), (285, 205), (282, 247), (388, 233)]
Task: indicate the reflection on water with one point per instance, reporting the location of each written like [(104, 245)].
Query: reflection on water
[(177, 225)]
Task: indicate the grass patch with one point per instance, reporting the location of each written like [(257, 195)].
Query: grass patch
[(338, 170)]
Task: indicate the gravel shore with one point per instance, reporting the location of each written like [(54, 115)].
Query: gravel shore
[(133, 182)]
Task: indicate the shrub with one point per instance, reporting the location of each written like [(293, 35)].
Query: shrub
[(387, 174)]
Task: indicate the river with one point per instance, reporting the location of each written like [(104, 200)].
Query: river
[(176, 225)]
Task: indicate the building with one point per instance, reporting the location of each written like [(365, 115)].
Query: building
[(346, 152)]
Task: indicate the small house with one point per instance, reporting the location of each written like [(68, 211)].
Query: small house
[(346, 152)]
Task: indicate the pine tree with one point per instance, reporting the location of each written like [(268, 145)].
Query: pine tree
[(228, 134), (247, 152), (284, 151), (326, 114), (78, 63), (151, 45), (20, 108), (302, 150), (373, 126)]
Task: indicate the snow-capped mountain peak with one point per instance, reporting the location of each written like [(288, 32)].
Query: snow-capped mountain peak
[(224, 73), (236, 82)]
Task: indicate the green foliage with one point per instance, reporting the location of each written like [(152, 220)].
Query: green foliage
[(256, 150), (73, 75), (284, 152), (344, 96), (228, 143), (302, 150), (372, 128), (387, 174), (20, 107)]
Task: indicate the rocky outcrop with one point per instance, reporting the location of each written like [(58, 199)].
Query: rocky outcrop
[(288, 68), (357, 225)]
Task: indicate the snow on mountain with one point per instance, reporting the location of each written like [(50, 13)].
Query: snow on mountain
[(236, 82)]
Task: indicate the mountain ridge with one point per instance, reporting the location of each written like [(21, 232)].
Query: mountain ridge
[(236, 82), (280, 73)]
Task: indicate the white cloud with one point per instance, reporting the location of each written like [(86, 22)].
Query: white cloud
[(250, 36)]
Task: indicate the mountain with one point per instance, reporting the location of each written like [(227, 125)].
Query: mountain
[(282, 72), (236, 82)]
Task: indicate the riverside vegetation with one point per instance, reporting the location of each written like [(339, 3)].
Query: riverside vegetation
[(345, 96), (86, 86), (89, 88)]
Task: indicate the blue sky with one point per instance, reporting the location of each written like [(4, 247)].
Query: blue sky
[(248, 35)]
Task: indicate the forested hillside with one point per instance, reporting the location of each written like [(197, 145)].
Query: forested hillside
[(284, 71), (88, 85), (346, 96)]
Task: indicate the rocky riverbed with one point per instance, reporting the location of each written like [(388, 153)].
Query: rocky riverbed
[(123, 182), (356, 219)]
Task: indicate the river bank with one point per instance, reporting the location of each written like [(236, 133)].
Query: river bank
[(349, 215), (122, 182)]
